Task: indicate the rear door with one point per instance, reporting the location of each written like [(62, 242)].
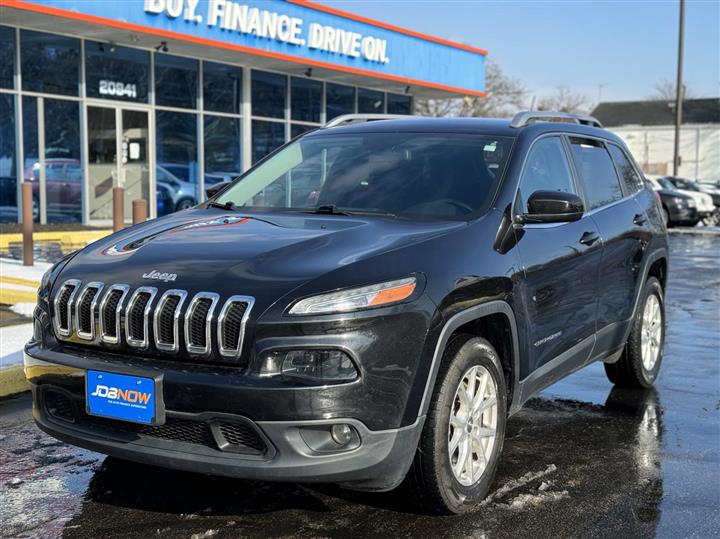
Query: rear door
[(561, 263), (623, 226)]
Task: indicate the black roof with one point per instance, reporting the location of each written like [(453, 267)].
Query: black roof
[(695, 111)]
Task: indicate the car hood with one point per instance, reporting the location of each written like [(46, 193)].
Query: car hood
[(703, 200), (264, 256)]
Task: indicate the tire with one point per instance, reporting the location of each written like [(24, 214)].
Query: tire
[(184, 204), (438, 488), (631, 370)]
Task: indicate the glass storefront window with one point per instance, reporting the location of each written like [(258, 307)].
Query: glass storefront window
[(266, 136), (177, 177), (298, 129), (175, 81), (8, 176), (305, 99), (63, 169), (49, 63), (222, 149), (339, 100), (7, 56), (268, 94), (222, 87), (114, 72), (399, 104), (370, 101)]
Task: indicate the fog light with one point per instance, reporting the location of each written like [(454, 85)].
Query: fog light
[(309, 366), (342, 433)]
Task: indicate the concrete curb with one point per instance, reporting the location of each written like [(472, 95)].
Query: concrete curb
[(699, 231), (13, 381)]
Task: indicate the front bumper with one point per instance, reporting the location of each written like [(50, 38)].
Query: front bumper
[(379, 462)]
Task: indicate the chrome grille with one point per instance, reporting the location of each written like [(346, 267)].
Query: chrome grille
[(198, 322), (231, 325), (166, 321), (85, 309), (63, 319), (117, 315)]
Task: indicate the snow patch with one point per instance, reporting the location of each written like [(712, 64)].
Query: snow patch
[(524, 501), (23, 309), (515, 484), (203, 535)]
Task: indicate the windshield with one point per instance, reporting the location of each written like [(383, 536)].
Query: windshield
[(666, 184), (432, 175)]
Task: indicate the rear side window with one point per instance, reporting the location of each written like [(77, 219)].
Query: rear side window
[(546, 169), (628, 174), (597, 172)]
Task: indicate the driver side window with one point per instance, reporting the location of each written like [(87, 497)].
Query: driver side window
[(546, 169)]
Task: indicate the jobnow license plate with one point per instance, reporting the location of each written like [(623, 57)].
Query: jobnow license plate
[(119, 396)]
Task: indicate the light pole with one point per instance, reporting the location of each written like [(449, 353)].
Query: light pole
[(679, 89)]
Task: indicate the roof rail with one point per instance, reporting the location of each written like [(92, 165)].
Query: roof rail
[(347, 119), (527, 117)]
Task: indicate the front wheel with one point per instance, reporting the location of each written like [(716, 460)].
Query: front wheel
[(464, 430), (640, 362)]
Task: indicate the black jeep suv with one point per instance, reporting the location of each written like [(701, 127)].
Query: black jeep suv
[(370, 302)]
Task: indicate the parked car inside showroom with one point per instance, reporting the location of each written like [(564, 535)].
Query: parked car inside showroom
[(377, 320)]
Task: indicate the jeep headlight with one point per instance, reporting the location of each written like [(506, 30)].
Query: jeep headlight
[(354, 299), (309, 366)]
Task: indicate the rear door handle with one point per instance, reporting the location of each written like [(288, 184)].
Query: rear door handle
[(639, 219), (589, 238)]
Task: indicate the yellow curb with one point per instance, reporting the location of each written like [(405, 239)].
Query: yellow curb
[(10, 296), (18, 280), (12, 380), (68, 241)]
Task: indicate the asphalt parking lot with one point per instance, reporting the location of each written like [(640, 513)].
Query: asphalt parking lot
[(583, 459)]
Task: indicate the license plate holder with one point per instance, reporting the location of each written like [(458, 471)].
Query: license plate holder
[(125, 397)]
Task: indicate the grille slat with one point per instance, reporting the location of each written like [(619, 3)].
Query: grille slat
[(137, 317), (85, 310), (231, 325), (63, 306), (166, 320), (198, 321), (110, 309)]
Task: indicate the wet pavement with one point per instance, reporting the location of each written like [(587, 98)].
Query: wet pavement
[(583, 459)]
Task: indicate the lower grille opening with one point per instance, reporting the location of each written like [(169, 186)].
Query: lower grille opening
[(235, 437)]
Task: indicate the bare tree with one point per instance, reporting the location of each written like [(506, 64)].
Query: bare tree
[(564, 100), (666, 90), (506, 95)]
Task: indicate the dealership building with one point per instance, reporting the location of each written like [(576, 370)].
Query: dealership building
[(167, 97)]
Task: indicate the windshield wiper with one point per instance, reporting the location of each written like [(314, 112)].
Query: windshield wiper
[(330, 209), (229, 205)]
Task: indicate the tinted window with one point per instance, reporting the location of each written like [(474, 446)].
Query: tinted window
[(413, 174), (268, 94), (8, 177), (176, 159), (339, 100), (546, 169), (370, 101), (266, 136), (63, 172), (628, 174), (222, 86), (306, 99), (114, 72), (7, 56), (222, 149), (175, 81), (597, 172), (50, 63), (399, 104)]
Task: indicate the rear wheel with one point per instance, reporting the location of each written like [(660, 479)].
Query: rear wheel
[(465, 428), (640, 362)]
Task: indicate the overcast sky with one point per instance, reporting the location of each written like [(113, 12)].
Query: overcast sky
[(627, 46)]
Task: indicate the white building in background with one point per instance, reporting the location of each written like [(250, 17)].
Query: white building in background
[(648, 128)]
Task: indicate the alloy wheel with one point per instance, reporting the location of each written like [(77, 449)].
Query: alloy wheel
[(473, 425), (651, 333)]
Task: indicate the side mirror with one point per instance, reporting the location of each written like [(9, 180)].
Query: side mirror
[(553, 207), (216, 188)]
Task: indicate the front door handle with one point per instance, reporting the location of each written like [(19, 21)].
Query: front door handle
[(639, 219), (589, 238)]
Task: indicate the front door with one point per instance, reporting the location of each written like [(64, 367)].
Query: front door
[(561, 264), (118, 156)]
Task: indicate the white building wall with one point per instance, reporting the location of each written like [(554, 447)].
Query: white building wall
[(652, 147)]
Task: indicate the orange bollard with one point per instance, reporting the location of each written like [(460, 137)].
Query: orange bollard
[(139, 211), (118, 208)]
